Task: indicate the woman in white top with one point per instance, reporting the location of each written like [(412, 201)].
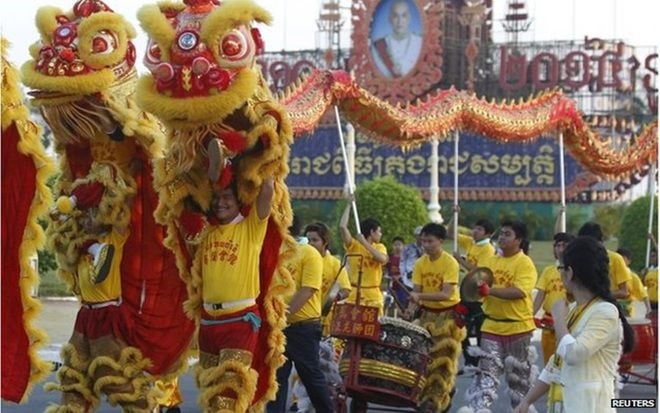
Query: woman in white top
[(581, 375)]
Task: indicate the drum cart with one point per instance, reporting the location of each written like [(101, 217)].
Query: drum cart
[(385, 359), (644, 354)]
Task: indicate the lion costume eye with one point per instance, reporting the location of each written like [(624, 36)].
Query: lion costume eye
[(104, 42), (234, 46)]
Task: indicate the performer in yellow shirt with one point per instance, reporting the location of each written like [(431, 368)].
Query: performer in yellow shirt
[(318, 235), (619, 273), (550, 289), (366, 256), (635, 287), (651, 274), (435, 279), (97, 354), (477, 249), (230, 321), (303, 333), (507, 331), (651, 284)]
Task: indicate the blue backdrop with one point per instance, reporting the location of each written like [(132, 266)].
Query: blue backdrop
[(316, 161)]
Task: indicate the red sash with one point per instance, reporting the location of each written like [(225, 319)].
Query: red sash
[(381, 48)]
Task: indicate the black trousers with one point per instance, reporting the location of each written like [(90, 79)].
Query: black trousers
[(302, 350), (475, 318)]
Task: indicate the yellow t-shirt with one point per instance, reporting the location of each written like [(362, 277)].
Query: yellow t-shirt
[(432, 275), (636, 288), (651, 283), (550, 283), (230, 261), (331, 266), (476, 254), (306, 268), (110, 288), (619, 272), (372, 274), (515, 271), (637, 291)]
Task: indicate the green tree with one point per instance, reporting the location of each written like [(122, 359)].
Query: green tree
[(609, 217), (634, 229), (399, 208)]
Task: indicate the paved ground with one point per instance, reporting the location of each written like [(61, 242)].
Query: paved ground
[(57, 319)]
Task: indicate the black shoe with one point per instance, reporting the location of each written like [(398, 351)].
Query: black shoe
[(174, 409), (102, 267)]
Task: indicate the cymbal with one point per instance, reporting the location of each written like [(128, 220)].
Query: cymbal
[(470, 285)]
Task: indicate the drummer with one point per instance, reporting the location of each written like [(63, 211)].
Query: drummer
[(477, 248), (367, 256), (318, 235), (549, 289), (507, 331), (435, 276)]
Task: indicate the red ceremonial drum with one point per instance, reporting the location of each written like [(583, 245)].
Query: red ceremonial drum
[(390, 371), (646, 346)]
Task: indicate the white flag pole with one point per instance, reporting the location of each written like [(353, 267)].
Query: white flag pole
[(349, 179), (562, 179), (651, 213), (456, 139)]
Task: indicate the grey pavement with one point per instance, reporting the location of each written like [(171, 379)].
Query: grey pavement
[(57, 319)]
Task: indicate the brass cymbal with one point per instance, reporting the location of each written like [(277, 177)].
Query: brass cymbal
[(470, 285)]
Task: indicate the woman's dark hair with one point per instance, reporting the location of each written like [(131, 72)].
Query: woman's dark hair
[(398, 238), (321, 229), (590, 264)]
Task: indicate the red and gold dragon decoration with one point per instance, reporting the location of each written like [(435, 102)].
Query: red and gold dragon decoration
[(438, 114)]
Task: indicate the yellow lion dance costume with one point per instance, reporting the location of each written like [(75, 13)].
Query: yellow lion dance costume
[(224, 128), (109, 248)]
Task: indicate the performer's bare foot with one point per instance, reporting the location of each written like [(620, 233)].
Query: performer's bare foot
[(216, 159)]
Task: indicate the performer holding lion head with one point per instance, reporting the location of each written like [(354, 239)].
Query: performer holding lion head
[(222, 191), (108, 246)]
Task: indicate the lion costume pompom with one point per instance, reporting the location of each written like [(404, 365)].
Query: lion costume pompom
[(224, 126)]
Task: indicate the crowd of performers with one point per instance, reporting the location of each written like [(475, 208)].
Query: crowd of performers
[(220, 273)]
